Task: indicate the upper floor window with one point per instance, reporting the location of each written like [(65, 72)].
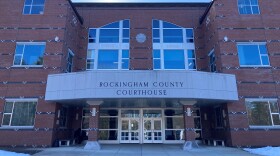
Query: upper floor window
[(212, 61), (29, 54), (252, 54), (69, 61), (164, 32), (19, 113), (117, 32), (173, 46), (34, 7), (109, 46), (248, 7), (263, 112)]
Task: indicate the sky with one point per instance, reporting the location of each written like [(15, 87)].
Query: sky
[(141, 1)]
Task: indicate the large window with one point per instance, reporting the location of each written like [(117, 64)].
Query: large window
[(173, 46), (19, 113), (253, 54), (62, 115), (212, 61), (264, 112), (29, 54), (33, 7), (109, 46), (69, 65), (174, 124), (108, 125), (248, 7)]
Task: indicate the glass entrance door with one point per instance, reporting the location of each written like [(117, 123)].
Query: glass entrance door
[(152, 129), (130, 131), (152, 126), (130, 128)]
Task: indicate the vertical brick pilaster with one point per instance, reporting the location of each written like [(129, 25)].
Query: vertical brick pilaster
[(189, 124), (93, 124)]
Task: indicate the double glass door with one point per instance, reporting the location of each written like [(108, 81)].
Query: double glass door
[(152, 130), (141, 126), (130, 130)]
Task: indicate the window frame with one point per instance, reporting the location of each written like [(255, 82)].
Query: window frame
[(270, 115), (251, 8), (162, 46), (212, 61), (220, 118), (31, 6), (259, 52), (14, 102), (62, 116), (22, 55), (122, 45), (70, 52)]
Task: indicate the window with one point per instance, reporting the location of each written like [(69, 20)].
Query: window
[(264, 112), (174, 124), (212, 61), (108, 125), (219, 117), (62, 115), (252, 54), (33, 7), (248, 7), (19, 113), (109, 46), (69, 61), (173, 46), (29, 54)]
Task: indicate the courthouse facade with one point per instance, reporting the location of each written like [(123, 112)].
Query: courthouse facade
[(139, 72)]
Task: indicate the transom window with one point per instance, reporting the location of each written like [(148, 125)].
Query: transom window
[(109, 47), (33, 7), (253, 54), (263, 112), (19, 113), (29, 54), (248, 7), (173, 46)]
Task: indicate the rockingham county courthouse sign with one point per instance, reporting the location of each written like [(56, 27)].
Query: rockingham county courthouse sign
[(130, 84), (141, 84)]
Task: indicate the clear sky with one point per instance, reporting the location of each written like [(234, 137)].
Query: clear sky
[(142, 1)]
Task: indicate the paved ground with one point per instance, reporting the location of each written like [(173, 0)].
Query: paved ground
[(142, 150)]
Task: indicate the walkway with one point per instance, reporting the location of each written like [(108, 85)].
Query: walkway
[(143, 150)]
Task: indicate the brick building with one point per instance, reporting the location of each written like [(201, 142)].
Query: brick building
[(139, 72)]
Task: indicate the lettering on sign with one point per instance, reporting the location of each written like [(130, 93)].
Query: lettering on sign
[(141, 88)]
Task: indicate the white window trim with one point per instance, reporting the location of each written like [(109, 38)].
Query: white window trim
[(27, 43), (120, 46), (31, 6), (260, 55), (251, 7), (18, 127), (264, 100), (161, 46)]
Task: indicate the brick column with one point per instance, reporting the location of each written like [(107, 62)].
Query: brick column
[(92, 143), (189, 125)]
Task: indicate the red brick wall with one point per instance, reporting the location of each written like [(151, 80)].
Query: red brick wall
[(251, 82), (31, 82), (141, 22)]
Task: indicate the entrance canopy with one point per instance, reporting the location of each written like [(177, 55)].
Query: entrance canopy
[(91, 85)]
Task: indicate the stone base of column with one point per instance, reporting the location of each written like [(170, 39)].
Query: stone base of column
[(188, 145), (92, 145)]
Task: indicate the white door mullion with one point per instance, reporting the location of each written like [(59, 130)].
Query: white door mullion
[(12, 114)]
